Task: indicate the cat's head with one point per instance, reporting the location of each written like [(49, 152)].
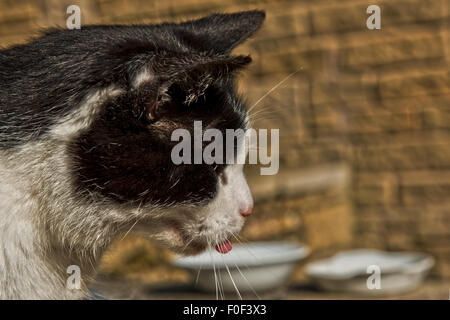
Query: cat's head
[(180, 74), (135, 85)]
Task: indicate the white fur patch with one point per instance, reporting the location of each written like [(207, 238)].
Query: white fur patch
[(143, 76), (83, 116), (222, 217)]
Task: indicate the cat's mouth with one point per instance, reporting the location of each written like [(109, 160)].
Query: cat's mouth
[(187, 245), (224, 247), (195, 247)]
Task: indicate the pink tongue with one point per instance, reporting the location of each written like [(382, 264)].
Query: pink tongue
[(224, 247)]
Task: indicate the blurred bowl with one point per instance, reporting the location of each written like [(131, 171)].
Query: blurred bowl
[(354, 271), (252, 267)]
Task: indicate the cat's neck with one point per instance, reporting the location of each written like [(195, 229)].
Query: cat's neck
[(45, 232), (30, 268), (26, 272), (33, 265)]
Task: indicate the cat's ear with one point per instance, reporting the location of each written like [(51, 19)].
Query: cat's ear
[(183, 78), (195, 77), (220, 33), (213, 67)]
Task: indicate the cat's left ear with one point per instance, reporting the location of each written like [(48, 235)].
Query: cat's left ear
[(220, 33), (196, 77)]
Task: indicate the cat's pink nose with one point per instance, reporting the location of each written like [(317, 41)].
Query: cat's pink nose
[(245, 213)]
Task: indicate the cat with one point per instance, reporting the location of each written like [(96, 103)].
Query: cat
[(86, 118)]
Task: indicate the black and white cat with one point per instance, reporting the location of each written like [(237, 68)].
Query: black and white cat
[(86, 118)]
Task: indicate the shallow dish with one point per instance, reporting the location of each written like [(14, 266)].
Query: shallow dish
[(256, 266), (354, 271)]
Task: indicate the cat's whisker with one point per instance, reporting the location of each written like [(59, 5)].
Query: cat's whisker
[(214, 269), (198, 274), (222, 293), (265, 110), (248, 282), (234, 284), (256, 121), (221, 282), (269, 110), (134, 224), (243, 245), (272, 89), (268, 248), (201, 265), (187, 244), (248, 268), (218, 281), (276, 105), (221, 290), (218, 274), (275, 108), (266, 118), (129, 230), (265, 115)]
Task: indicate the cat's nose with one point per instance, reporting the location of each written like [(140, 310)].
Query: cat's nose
[(246, 212)]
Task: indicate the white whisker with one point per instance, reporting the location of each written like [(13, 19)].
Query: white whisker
[(234, 284), (198, 274), (248, 282), (273, 88), (221, 290), (214, 268)]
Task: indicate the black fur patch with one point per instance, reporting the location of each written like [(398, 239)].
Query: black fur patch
[(125, 154), (44, 80), (127, 158)]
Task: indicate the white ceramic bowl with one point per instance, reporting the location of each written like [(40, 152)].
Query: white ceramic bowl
[(350, 271), (254, 267)]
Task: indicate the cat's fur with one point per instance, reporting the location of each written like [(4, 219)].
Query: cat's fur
[(86, 118)]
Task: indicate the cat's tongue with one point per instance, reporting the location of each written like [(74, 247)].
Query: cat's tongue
[(224, 247)]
